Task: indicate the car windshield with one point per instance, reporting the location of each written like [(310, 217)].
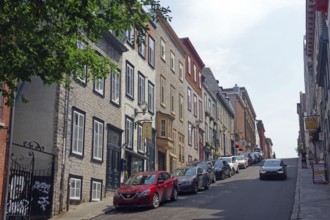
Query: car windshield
[(272, 163), (218, 163), (228, 159), (184, 172), (239, 157), (141, 179), (202, 165)]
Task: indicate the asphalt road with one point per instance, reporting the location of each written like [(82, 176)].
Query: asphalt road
[(241, 197)]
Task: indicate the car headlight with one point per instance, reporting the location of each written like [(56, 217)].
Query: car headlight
[(116, 194), (280, 171), (262, 171), (144, 193)]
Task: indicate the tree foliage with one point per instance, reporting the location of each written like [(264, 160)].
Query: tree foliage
[(39, 37)]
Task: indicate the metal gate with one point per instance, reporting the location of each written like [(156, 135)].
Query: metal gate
[(30, 188)]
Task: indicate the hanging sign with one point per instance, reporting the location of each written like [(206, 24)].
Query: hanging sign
[(311, 123), (147, 130)]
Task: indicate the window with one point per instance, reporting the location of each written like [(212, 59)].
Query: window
[(140, 141), (99, 86), (196, 139), (172, 94), (214, 110), (181, 148), (170, 130), (129, 128), (189, 98), (162, 90), (172, 61), (195, 105), (200, 80), (98, 140), (189, 133), (81, 74), (163, 128), (162, 49), (141, 89), (75, 188), (195, 73), (78, 132), (142, 47), (200, 106), (209, 106), (206, 132), (130, 37), (189, 65), (151, 90), (210, 135), (129, 80), (181, 71), (96, 189), (115, 87), (205, 101), (181, 107), (151, 52)]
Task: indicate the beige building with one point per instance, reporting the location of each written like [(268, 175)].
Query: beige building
[(170, 101)]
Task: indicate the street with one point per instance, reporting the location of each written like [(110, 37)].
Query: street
[(243, 196)]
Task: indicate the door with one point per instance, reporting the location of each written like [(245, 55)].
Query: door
[(113, 160)]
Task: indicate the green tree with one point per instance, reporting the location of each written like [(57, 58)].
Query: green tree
[(39, 37)]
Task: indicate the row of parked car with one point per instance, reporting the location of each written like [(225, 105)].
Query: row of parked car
[(150, 188)]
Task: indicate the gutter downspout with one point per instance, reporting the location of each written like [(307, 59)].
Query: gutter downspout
[(65, 133), (10, 132)]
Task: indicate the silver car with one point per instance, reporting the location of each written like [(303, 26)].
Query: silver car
[(243, 162)]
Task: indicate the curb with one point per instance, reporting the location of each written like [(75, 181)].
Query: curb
[(295, 215)]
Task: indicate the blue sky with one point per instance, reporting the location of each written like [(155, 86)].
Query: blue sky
[(256, 44)]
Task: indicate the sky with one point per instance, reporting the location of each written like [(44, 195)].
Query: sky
[(256, 44)]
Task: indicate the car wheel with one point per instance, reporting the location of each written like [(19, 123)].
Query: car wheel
[(207, 186), (229, 173), (214, 179), (223, 176), (233, 172), (175, 194), (195, 188), (237, 171), (155, 201)]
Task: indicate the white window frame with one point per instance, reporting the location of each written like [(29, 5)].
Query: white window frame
[(181, 70), (200, 80), (172, 62), (195, 105), (130, 34), (75, 188), (195, 73), (82, 77), (96, 190), (200, 110), (78, 132), (172, 95), (162, 49), (151, 51), (189, 98), (115, 87), (99, 86), (163, 128), (151, 96), (189, 65), (181, 107), (142, 48), (129, 132), (140, 141), (162, 90), (98, 139), (189, 133), (129, 80), (141, 89)]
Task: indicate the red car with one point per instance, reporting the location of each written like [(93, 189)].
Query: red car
[(146, 189)]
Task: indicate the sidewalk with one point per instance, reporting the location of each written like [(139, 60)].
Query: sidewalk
[(87, 210), (312, 201)]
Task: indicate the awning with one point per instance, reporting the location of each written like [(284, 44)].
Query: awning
[(135, 154)]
